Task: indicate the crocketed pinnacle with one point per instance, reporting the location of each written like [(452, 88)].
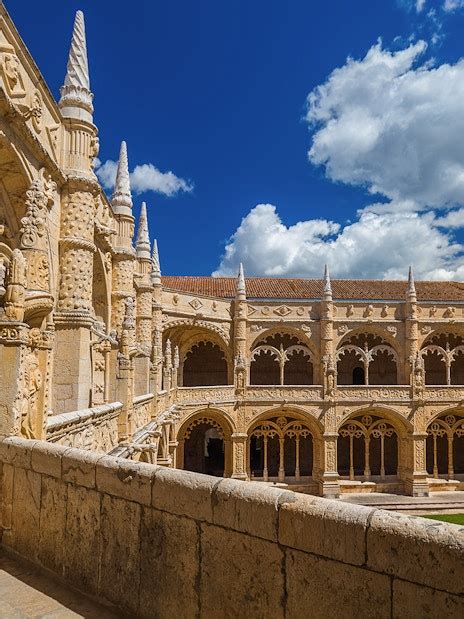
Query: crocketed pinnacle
[(327, 284), (155, 265), (75, 92), (142, 245), (121, 200), (411, 285), (240, 285)]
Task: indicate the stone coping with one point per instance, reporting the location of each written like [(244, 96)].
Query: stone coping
[(409, 559), (54, 422), (141, 399)]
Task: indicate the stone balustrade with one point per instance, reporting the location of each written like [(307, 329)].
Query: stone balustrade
[(142, 410), (90, 428), (164, 543)]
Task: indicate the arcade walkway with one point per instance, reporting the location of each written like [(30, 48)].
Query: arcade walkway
[(27, 593)]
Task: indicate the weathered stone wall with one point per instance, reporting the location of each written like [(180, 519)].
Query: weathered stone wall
[(162, 543)]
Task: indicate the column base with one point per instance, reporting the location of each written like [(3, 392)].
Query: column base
[(417, 487), (329, 488)]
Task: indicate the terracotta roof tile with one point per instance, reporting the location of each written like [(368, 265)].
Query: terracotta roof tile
[(291, 288)]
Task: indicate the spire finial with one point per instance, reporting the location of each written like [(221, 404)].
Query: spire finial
[(142, 245), (121, 200), (411, 286), (240, 284), (155, 265), (76, 98), (327, 283)]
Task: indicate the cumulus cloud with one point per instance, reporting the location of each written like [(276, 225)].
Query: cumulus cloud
[(393, 125), (145, 177), (376, 245), (449, 6)]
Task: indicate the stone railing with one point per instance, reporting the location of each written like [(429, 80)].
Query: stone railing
[(203, 395), (359, 393), (91, 428), (158, 542), (284, 392), (142, 410)]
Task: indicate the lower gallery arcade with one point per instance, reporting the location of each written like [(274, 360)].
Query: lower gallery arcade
[(287, 447)]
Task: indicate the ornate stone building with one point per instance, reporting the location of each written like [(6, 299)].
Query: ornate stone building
[(329, 386)]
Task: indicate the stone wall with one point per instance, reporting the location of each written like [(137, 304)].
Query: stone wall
[(159, 542)]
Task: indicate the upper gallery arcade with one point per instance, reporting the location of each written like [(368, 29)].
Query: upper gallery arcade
[(335, 385)]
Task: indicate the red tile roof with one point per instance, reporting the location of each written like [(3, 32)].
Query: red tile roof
[(291, 288)]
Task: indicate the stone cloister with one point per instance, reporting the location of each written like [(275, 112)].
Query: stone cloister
[(327, 385)]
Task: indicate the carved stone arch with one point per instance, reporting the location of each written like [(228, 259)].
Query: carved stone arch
[(289, 411), (220, 416), (192, 439), (200, 324), (374, 330), (101, 290), (402, 425), (454, 329), (284, 442), (286, 330), (16, 179)]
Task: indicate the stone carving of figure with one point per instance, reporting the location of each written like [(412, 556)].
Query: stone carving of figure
[(94, 150), (15, 292), (30, 401), (11, 68), (2, 276)]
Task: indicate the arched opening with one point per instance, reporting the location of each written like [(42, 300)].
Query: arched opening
[(443, 355), (367, 448), (281, 359), (204, 448), (358, 376), (205, 364), (445, 447), (366, 359), (281, 448), (435, 368)]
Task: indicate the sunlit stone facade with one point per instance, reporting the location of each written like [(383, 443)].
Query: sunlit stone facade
[(333, 386)]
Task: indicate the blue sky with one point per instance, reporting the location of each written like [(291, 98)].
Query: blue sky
[(216, 92)]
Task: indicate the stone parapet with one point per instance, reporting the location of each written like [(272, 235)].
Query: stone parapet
[(137, 535), (90, 428)]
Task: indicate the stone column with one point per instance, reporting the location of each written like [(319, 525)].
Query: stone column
[(73, 319), (412, 331), (239, 451), (240, 336), (328, 477)]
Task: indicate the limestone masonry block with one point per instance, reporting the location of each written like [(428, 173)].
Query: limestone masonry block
[(120, 552), (24, 534), (78, 467), (241, 576), (16, 451), (52, 524), (424, 551), (320, 588), (46, 458), (248, 507), (125, 479), (184, 493), (327, 528), (170, 556), (410, 600), (82, 542)]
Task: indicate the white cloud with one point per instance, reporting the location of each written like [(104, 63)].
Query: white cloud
[(420, 5), (393, 126), (452, 5), (375, 246), (145, 177)]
